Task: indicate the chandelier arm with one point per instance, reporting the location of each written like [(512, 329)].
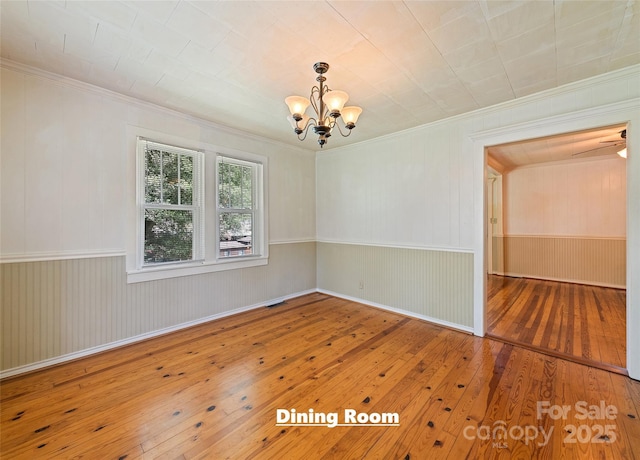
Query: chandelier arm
[(326, 109), (340, 129), (305, 130), (315, 90)]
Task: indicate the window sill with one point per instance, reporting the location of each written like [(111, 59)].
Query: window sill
[(175, 271)]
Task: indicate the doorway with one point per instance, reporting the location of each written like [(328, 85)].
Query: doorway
[(555, 247)]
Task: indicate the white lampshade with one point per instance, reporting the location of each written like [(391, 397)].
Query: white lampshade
[(335, 100), (297, 104), (350, 114), (623, 153)]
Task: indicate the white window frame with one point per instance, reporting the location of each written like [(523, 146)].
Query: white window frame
[(208, 256), (197, 206), (257, 174)]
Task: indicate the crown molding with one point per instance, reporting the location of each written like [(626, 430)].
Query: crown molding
[(582, 114), (130, 100), (614, 75)]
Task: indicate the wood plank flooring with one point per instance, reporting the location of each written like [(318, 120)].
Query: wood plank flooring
[(213, 391), (586, 323)]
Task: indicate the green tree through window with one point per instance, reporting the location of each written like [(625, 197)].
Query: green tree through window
[(169, 220), (199, 210), (236, 206)]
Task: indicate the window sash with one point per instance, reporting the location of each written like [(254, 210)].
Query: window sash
[(163, 248), (195, 208), (176, 190), (252, 210)]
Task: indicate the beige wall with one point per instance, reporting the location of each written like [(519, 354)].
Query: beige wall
[(429, 284), (424, 188), (596, 261), (69, 169), (58, 309), (417, 194), (565, 221), (67, 198)]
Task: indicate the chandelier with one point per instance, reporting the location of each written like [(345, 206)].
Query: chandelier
[(328, 106)]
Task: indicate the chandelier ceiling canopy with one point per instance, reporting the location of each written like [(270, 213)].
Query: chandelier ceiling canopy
[(328, 106)]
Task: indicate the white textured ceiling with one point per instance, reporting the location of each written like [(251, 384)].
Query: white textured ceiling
[(606, 141), (405, 63)]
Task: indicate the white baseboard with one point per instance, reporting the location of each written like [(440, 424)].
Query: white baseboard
[(400, 311), (148, 335)]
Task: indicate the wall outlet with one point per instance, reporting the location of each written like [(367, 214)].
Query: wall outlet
[(361, 285)]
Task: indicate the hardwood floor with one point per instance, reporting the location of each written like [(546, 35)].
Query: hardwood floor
[(585, 323), (213, 391)]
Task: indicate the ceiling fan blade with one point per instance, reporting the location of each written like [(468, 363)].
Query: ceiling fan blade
[(623, 135), (597, 148)]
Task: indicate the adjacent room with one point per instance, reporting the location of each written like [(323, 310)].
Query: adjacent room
[(556, 218), (319, 229)]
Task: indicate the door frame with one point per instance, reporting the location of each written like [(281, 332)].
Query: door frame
[(493, 189), (618, 113)]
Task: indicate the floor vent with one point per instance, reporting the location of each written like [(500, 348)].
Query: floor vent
[(277, 304)]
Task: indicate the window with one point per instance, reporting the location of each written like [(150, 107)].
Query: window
[(171, 208), (198, 211), (237, 210)]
